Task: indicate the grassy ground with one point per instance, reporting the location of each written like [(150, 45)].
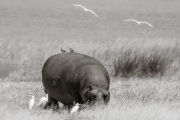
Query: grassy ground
[(143, 62), (130, 99)]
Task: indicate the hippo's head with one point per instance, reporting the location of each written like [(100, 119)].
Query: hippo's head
[(96, 93), (94, 87)]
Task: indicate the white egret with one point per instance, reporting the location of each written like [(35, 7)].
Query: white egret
[(87, 10), (31, 103), (139, 22), (43, 101), (75, 108)]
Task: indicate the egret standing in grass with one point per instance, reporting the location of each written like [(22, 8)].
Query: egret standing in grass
[(75, 108), (139, 22), (31, 103), (43, 101), (87, 10)]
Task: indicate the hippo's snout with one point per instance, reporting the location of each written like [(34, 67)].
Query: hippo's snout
[(98, 96)]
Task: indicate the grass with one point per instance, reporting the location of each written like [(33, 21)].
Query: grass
[(147, 62), (144, 59), (143, 62), (132, 99), (157, 111)]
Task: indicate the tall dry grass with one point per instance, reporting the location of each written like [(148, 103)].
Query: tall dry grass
[(124, 57)]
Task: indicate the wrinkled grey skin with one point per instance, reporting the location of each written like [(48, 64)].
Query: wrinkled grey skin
[(72, 77)]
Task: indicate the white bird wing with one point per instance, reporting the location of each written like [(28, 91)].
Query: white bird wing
[(128, 20), (93, 13), (131, 20), (87, 10), (147, 23), (81, 6)]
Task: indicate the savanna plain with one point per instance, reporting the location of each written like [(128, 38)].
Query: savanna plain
[(143, 62)]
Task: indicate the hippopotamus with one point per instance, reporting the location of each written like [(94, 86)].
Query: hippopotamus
[(72, 78)]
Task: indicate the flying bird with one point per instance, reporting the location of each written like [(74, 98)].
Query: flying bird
[(75, 108), (139, 22), (86, 10), (71, 50), (63, 51), (31, 103), (43, 101)]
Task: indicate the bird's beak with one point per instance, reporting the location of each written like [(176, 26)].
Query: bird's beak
[(79, 104)]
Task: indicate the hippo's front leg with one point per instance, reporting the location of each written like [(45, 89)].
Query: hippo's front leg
[(52, 103)]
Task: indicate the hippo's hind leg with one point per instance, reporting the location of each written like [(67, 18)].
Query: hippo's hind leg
[(52, 103), (67, 106)]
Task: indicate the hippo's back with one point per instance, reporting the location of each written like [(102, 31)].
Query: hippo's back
[(73, 61)]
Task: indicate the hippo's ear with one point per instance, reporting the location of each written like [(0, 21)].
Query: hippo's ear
[(89, 88)]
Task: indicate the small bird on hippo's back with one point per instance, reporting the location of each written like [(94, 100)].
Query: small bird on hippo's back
[(63, 51), (71, 50)]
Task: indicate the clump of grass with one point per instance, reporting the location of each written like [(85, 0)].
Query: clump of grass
[(132, 63), (147, 59)]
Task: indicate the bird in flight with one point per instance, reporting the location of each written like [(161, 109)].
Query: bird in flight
[(87, 10), (139, 22)]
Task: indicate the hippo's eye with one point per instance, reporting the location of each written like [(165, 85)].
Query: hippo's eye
[(89, 87)]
